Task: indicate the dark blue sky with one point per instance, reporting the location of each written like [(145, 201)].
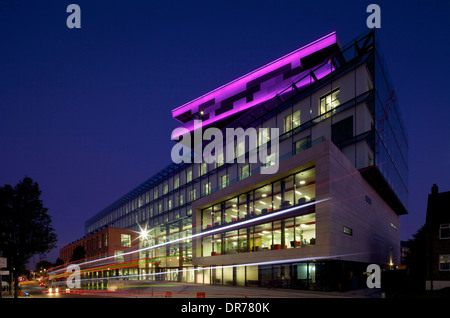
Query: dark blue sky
[(87, 112)]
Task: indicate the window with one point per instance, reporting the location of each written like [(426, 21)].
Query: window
[(203, 168), (239, 149), (444, 262), (118, 255), (348, 230), (219, 160), (245, 171), (342, 131), (192, 195), (224, 180), (292, 121), (166, 188), (155, 193), (125, 240), (169, 204), (207, 188), (189, 176), (329, 101), (263, 136), (176, 183), (180, 200), (270, 160), (444, 231), (302, 144)]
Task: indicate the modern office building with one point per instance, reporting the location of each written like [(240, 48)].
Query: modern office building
[(332, 205), (437, 228)]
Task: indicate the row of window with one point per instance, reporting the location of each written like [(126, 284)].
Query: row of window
[(291, 121), (294, 232), (297, 188), (444, 260)]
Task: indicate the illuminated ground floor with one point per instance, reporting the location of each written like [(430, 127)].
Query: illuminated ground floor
[(321, 275)]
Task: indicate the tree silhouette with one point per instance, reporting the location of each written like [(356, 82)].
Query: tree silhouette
[(58, 262), (25, 226), (42, 267), (416, 260)]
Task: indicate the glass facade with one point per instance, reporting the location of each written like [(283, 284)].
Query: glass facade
[(391, 142), (290, 232)]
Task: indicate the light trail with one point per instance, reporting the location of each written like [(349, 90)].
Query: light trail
[(283, 261), (220, 229)]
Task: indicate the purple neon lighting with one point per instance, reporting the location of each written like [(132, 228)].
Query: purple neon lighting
[(259, 97), (239, 84), (268, 90)]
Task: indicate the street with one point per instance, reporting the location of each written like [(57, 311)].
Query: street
[(147, 289)]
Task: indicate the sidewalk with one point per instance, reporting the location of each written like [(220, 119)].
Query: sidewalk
[(189, 290)]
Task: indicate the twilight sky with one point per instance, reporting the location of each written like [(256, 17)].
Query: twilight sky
[(87, 112)]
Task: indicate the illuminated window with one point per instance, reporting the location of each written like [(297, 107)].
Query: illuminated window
[(219, 160), (292, 121), (224, 180), (203, 168), (207, 188), (192, 195), (263, 136), (166, 188), (125, 240), (155, 193), (189, 176), (444, 262), (245, 171), (176, 183), (118, 256), (348, 230), (329, 101)]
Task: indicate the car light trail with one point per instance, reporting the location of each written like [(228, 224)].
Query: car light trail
[(222, 228)]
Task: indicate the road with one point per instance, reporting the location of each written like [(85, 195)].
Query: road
[(147, 289)]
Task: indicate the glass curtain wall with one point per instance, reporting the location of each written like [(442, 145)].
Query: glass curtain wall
[(291, 232)]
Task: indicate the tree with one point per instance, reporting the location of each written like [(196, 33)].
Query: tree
[(25, 226), (416, 260), (42, 267), (58, 262)]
